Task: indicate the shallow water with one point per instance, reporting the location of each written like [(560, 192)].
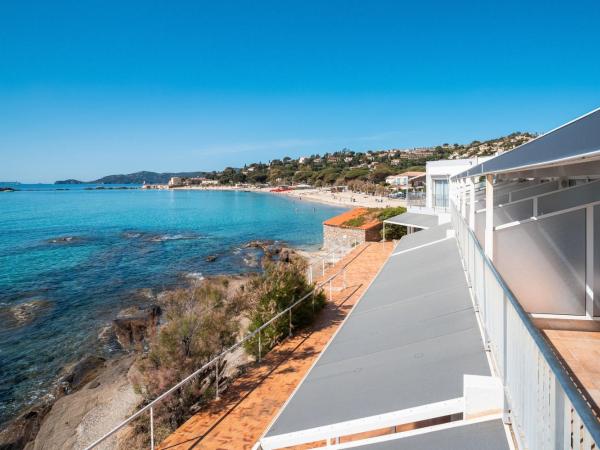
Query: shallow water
[(71, 259)]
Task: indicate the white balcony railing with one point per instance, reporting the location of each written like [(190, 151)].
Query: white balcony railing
[(546, 405)]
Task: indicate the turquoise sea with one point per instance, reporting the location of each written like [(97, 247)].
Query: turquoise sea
[(71, 259)]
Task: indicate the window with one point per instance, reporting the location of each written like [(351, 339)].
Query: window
[(440, 193)]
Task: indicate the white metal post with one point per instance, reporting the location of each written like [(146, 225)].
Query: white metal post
[(151, 428), (217, 379), (463, 198), (259, 346), (489, 216), (472, 204), (589, 261)]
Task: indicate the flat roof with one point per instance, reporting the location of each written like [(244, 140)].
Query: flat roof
[(407, 343), (488, 435), (418, 220), (341, 219), (568, 143)]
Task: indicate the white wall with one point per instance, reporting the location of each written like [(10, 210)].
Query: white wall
[(447, 168)]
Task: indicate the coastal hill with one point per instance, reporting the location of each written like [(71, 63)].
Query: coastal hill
[(372, 166), (135, 178), (339, 167)]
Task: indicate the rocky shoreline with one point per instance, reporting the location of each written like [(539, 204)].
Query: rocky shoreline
[(94, 394)]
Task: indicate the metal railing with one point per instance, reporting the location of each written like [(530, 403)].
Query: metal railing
[(415, 199), (216, 359), (330, 258), (547, 407)]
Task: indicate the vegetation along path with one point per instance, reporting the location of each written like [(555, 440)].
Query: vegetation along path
[(247, 407)]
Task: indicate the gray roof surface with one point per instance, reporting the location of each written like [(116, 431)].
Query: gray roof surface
[(479, 436), (570, 141), (414, 219), (408, 342)]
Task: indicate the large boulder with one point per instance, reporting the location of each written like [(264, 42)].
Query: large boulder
[(79, 374), (133, 326), (24, 428)]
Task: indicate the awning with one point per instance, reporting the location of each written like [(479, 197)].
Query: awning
[(570, 143), (407, 343), (424, 221)]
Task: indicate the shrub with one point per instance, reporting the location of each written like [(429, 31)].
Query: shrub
[(387, 213), (201, 322), (392, 231), (355, 222), (278, 287)]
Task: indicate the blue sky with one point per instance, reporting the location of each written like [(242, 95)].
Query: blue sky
[(94, 88)]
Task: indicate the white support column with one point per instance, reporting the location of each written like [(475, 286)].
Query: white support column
[(589, 262), (472, 204), (489, 216)]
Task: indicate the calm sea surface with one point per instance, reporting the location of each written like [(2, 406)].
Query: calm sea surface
[(71, 259)]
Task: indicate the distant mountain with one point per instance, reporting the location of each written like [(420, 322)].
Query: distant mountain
[(136, 178)]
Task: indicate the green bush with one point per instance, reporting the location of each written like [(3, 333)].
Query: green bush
[(387, 213), (277, 288), (355, 222), (392, 231)]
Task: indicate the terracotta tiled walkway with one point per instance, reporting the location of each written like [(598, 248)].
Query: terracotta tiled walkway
[(581, 351), (248, 406)]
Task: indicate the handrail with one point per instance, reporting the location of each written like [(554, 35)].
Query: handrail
[(212, 361), (544, 194), (578, 397), (533, 197), (323, 259), (545, 216)]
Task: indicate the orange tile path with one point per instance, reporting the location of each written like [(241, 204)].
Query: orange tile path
[(239, 418)]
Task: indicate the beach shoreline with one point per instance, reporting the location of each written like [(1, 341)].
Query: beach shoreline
[(318, 195)]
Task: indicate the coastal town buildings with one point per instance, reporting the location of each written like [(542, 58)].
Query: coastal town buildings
[(192, 181), (406, 180)]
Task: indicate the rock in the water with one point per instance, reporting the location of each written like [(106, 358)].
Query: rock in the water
[(64, 240), (211, 258), (258, 244), (134, 325), (23, 313)]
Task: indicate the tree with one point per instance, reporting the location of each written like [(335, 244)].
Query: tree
[(200, 323), (380, 173)]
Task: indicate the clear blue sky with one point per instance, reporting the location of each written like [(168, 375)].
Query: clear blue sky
[(94, 88)]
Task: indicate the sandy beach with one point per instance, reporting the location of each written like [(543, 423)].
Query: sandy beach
[(321, 195), (350, 199)]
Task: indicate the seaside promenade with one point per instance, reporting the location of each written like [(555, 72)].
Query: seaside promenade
[(244, 411)]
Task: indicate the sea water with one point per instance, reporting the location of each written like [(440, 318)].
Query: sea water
[(70, 259)]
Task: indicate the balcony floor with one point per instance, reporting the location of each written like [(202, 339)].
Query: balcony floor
[(580, 349)]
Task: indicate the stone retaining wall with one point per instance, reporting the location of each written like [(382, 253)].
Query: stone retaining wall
[(336, 236)]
